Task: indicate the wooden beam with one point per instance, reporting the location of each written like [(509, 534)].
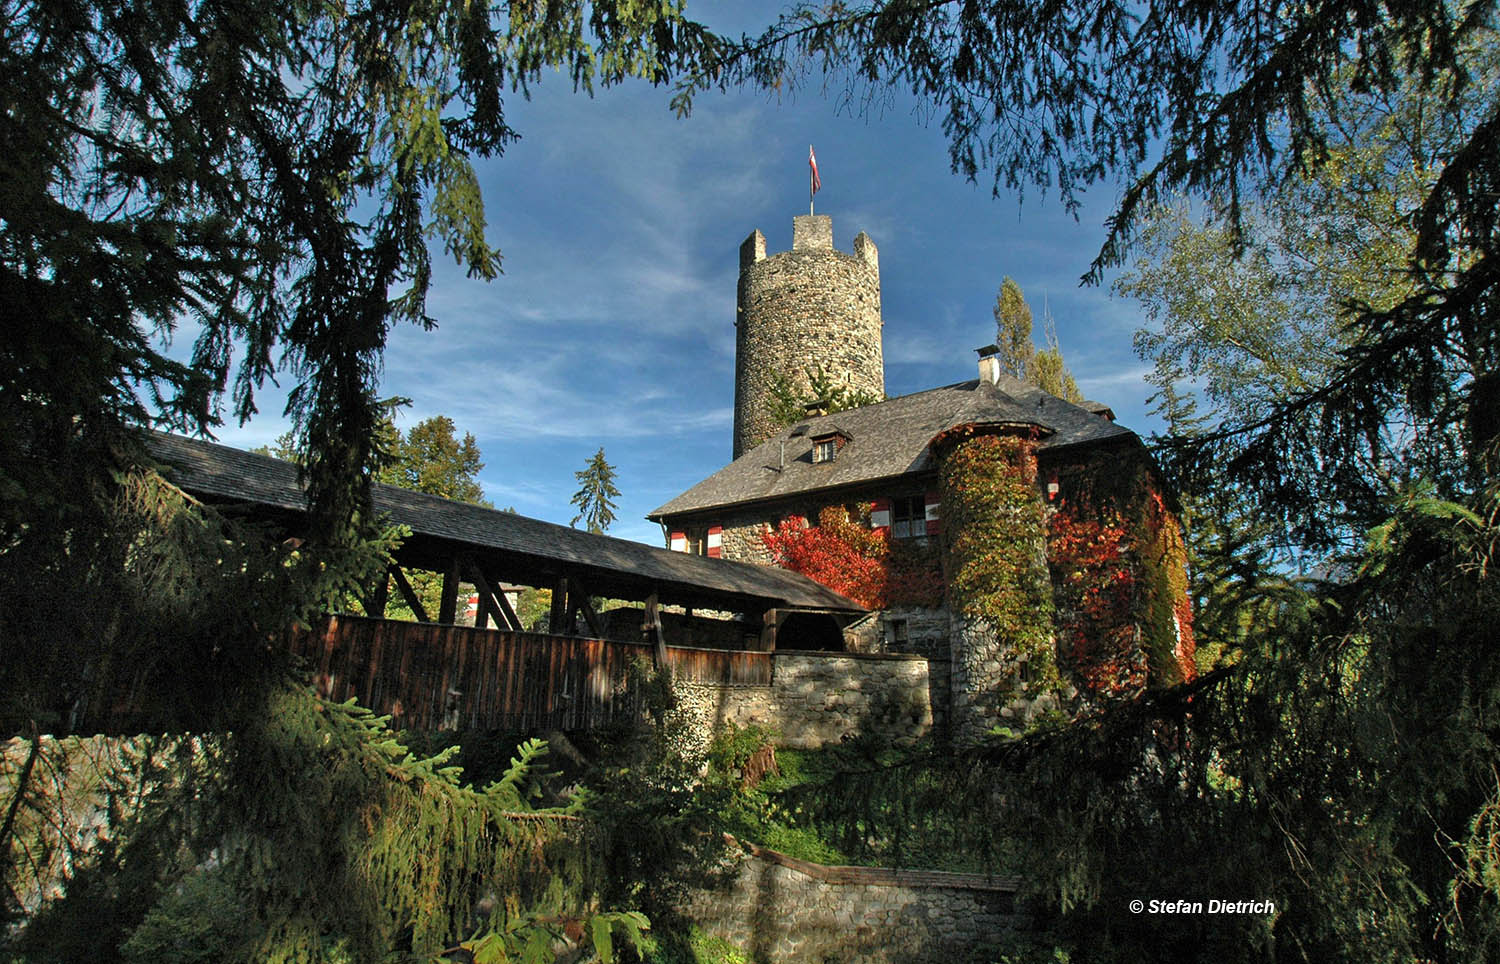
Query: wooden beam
[(448, 608), (559, 606), (408, 594), (491, 602), (653, 626), (581, 601), (770, 623), (381, 595), (505, 608)]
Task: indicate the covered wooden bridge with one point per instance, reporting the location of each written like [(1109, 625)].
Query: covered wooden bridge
[(435, 674)]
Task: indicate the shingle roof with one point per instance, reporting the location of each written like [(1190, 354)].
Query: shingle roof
[(218, 472), (890, 439)]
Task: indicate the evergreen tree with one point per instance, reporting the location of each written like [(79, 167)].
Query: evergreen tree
[(1222, 101), (284, 448), (1346, 763), (788, 400), (596, 494), (274, 173)]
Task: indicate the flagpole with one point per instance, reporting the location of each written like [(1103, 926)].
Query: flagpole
[(813, 181)]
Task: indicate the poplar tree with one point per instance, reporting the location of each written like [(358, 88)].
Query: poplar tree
[(1019, 356), (1013, 329)]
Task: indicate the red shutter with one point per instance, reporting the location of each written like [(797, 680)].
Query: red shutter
[(880, 515), (715, 541), (934, 521), (678, 542)]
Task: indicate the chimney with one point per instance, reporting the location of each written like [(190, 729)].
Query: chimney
[(816, 409), (989, 364)]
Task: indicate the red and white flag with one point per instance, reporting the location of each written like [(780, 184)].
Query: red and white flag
[(816, 182)]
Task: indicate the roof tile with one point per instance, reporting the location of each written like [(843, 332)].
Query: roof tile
[(889, 439)]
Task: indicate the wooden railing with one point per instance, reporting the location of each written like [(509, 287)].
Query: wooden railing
[(436, 677)]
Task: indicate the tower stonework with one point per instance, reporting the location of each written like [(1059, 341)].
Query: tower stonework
[(810, 307)]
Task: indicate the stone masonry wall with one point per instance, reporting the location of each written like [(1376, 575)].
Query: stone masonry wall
[(819, 698), (927, 629), (786, 911), (741, 539), (811, 306)]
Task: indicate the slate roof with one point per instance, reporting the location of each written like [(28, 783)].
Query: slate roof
[(519, 546), (890, 439)]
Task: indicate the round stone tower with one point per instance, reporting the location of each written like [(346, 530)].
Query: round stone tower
[(810, 307)]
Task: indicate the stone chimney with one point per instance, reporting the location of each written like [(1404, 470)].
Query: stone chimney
[(989, 364)]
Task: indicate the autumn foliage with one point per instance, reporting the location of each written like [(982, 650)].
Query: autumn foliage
[(1095, 586), (862, 563), (1119, 575)]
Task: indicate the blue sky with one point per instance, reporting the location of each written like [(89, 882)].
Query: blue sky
[(613, 324)]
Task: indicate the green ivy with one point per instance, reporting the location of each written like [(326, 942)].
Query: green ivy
[(1166, 611), (996, 563)]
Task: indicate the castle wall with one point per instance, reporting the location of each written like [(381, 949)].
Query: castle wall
[(813, 306), (741, 539), (782, 910), (820, 698)]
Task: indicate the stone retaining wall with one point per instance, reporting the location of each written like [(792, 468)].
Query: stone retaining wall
[(786, 911), (817, 698)]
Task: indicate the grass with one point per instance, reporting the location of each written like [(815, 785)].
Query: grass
[(692, 947)]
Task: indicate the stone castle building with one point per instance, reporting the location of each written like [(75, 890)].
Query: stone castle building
[(1092, 531)]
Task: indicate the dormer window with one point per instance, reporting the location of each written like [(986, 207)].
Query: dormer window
[(826, 447)]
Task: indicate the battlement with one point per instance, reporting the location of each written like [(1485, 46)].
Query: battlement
[(810, 232)]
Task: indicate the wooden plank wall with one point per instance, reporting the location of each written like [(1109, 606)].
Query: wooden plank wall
[(720, 665), (429, 676)]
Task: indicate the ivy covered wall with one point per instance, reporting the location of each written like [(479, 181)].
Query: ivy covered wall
[(1004, 663), (1062, 582), (1057, 603), (1119, 571), (849, 557)]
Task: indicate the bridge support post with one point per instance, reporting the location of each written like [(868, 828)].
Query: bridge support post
[(448, 608)]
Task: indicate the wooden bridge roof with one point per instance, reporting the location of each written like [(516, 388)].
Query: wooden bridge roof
[(509, 547)]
